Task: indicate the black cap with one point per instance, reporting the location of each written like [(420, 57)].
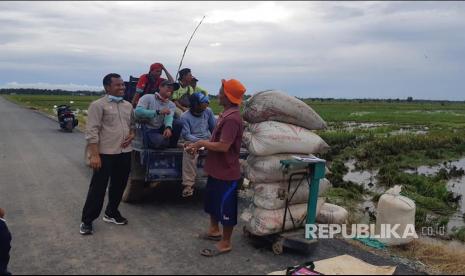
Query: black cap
[(172, 84)]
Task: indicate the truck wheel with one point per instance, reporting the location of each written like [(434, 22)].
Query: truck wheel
[(69, 126), (134, 191)]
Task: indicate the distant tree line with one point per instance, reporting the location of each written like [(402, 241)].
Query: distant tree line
[(32, 91), (408, 100)]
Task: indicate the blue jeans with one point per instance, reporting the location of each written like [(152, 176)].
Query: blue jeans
[(153, 138)]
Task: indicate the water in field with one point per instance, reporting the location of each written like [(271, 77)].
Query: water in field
[(456, 185), (404, 131), (351, 126), (365, 178), (369, 181)]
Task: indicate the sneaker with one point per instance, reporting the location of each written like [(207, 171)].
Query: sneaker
[(86, 229), (118, 219)]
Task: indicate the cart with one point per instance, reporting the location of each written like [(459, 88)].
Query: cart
[(309, 171)]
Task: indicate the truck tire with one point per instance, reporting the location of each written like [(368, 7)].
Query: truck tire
[(136, 186), (69, 126), (134, 191)]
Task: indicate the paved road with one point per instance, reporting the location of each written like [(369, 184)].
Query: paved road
[(43, 183)]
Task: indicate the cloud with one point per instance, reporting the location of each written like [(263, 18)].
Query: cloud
[(319, 49), (263, 12), (52, 86)]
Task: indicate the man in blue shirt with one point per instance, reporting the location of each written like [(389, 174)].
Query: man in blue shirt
[(198, 124), (5, 244)]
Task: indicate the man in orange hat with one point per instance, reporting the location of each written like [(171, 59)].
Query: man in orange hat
[(223, 168), (149, 83)]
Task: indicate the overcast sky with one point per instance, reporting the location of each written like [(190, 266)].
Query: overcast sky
[(308, 49)]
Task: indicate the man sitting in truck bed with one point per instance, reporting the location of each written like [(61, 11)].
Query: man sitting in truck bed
[(149, 83), (181, 95), (198, 124), (162, 130)]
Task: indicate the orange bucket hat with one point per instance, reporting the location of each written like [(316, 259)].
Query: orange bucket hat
[(234, 90)]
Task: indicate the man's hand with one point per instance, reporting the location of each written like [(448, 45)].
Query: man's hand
[(2, 213), (190, 149), (194, 148), (127, 142), (95, 162), (168, 133), (165, 111)]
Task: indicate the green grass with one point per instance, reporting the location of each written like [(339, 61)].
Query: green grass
[(46, 103), (430, 114), (435, 114), (460, 234)]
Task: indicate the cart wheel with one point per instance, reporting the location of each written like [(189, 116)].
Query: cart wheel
[(278, 247)]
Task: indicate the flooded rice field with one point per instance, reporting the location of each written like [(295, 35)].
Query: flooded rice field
[(455, 185), (368, 179)]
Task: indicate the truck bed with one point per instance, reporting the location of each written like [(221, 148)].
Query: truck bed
[(164, 164)]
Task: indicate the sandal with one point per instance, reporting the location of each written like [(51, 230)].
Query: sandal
[(208, 237), (214, 252), (187, 192)]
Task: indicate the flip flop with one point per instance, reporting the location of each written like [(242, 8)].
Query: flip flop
[(208, 237), (213, 252), (188, 193)]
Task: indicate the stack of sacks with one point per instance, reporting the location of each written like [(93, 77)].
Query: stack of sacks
[(280, 128)]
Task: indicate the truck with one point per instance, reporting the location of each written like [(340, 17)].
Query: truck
[(153, 167)]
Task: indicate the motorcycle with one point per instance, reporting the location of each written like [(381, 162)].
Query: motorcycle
[(66, 118)]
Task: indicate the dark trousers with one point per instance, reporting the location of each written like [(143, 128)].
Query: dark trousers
[(115, 168), (5, 241), (155, 140)]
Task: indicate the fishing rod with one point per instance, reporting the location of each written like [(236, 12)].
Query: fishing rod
[(185, 49)]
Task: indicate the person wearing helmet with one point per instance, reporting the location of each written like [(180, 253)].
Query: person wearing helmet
[(149, 83), (223, 168), (198, 124)]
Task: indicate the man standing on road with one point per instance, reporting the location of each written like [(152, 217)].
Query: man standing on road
[(109, 134), (198, 124), (223, 168), (5, 244)]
